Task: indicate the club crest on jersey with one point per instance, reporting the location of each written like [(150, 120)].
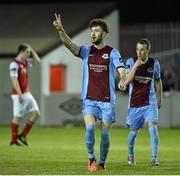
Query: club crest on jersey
[(105, 56), (150, 70)]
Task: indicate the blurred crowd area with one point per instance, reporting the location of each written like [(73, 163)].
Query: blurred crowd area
[(170, 73)]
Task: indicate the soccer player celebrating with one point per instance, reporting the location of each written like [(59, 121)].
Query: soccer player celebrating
[(98, 85), (144, 78), (23, 101)]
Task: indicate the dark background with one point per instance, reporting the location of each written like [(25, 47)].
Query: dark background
[(31, 20), (131, 11)]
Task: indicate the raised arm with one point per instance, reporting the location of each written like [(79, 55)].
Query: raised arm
[(36, 58), (131, 74), (65, 39)]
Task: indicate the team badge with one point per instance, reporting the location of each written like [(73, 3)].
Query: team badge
[(150, 70), (105, 56)]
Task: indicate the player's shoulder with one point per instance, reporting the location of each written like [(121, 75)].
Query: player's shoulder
[(130, 60), (114, 52), (13, 63), (155, 60), (84, 51), (85, 47)]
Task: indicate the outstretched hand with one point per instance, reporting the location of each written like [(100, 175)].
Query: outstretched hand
[(57, 23)]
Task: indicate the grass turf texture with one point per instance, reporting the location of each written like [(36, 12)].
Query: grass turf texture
[(62, 151)]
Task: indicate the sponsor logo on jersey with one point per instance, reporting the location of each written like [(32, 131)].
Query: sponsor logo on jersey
[(98, 68), (143, 79)]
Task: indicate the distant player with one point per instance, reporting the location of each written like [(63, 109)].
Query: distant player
[(98, 86), (23, 101), (144, 78)]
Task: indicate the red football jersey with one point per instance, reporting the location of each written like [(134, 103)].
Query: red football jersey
[(19, 69)]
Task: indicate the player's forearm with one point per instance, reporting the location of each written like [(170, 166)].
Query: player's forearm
[(65, 39), (158, 86), (36, 58), (131, 74), (16, 86), (122, 73)]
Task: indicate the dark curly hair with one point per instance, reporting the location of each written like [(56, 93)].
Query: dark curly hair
[(99, 22)]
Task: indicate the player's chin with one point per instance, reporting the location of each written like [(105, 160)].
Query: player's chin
[(93, 41)]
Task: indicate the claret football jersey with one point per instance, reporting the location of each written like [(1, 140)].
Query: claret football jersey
[(99, 67), (141, 89)]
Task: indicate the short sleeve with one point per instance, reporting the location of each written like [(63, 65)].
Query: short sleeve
[(129, 64), (13, 69), (157, 71), (84, 51), (117, 60)]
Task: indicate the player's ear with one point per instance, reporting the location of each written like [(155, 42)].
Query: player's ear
[(104, 34)]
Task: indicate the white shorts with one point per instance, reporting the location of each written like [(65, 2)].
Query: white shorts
[(29, 105)]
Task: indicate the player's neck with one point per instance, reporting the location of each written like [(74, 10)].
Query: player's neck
[(100, 45), (19, 57), (145, 59)]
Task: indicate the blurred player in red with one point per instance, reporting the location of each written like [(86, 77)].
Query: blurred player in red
[(23, 101)]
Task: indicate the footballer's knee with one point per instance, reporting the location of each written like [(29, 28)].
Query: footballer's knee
[(134, 131), (152, 124), (16, 120), (34, 116), (106, 126), (89, 120)]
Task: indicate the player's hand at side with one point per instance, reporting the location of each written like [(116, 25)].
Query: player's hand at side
[(122, 85), (21, 99), (159, 104), (57, 23)]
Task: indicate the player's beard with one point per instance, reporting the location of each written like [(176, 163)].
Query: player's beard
[(97, 41)]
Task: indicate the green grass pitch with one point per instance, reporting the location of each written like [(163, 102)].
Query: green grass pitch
[(62, 151)]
